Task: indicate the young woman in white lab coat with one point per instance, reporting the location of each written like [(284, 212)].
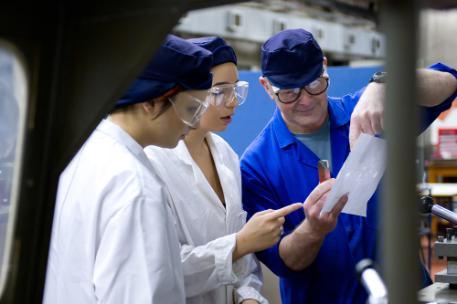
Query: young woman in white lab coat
[(114, 239), (203, 176)]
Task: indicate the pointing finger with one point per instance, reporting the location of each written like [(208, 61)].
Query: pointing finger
[(286, 210)]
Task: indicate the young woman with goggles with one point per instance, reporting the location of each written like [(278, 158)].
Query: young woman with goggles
[(203, 176), (113, 237)]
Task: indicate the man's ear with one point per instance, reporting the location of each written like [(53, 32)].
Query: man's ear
[(324, 63), (266, 86)]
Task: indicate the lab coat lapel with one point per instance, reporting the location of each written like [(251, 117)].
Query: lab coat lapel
[(201, 184), (185, 159), (229, 184), (222, 171)]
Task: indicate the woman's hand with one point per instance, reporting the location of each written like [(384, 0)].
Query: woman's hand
[(262, 231)]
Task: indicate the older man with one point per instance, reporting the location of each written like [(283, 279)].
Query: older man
[(315, 259)]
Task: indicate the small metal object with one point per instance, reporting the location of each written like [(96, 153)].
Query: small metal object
[(379, 77), (372, 282), (448, 234), (440, 238), (444, 213), (324, 170)]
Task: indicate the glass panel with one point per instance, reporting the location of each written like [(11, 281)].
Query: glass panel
[(12, 122)]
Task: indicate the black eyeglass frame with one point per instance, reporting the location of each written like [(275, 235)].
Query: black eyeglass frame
[(301, 90)]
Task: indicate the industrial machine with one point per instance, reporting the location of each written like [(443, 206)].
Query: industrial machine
[(444, 290)]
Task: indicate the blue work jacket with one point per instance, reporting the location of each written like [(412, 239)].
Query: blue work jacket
[(277, 170)]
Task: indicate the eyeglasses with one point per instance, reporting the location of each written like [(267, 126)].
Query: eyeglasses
[(190, 106), (227, 94), (316, 87)]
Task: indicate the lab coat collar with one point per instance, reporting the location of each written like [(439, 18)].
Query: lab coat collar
[(218, 157), (338, 116), (183, 155), (114, 131)]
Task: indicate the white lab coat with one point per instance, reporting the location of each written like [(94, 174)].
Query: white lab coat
[(206, 229), (114, 239)]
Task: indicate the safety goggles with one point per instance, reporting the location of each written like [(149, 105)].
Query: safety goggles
[(316, 87), (228, 94), (190, 105)]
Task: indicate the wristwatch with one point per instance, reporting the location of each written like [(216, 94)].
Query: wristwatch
[(379, 77)]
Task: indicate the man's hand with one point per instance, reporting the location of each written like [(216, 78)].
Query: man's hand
[(433, 88), (299, 249), (317, 226), (367, 116), (262, 231)]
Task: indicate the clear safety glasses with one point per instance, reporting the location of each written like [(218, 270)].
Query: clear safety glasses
[(190, 106), (229, 94), (316, 87)]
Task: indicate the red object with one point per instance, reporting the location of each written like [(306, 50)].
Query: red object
[(324, 170), (447, 143)]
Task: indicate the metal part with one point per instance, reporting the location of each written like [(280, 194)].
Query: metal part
[(255, 25), (399, 21), (449, 234), (452, 266), (445, 277), (446, 248), (372, 282), (445, 214), (79, 58), (438, 293), (363, 9)]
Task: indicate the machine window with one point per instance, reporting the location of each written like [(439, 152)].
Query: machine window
[(13, 91)]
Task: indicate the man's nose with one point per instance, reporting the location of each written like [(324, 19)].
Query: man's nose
[(304, 98)]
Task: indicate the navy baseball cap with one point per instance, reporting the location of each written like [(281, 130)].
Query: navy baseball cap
[(222, 52), (291, 59), (176, 63)]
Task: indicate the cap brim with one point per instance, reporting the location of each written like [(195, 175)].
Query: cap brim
[(295, 80), (143, 90)]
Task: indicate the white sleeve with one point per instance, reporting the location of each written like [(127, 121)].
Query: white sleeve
[(208, 266), (251, 280), (137, 258)]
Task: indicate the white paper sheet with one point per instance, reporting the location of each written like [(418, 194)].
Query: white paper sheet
[(359, 176)]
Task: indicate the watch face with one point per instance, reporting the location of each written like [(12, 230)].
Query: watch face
[(379, 77)]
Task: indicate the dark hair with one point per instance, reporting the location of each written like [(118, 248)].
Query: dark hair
[(173, 91)]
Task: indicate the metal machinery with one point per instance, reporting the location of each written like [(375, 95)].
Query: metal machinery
[(79, 57), (444, 290), (371, 280)]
